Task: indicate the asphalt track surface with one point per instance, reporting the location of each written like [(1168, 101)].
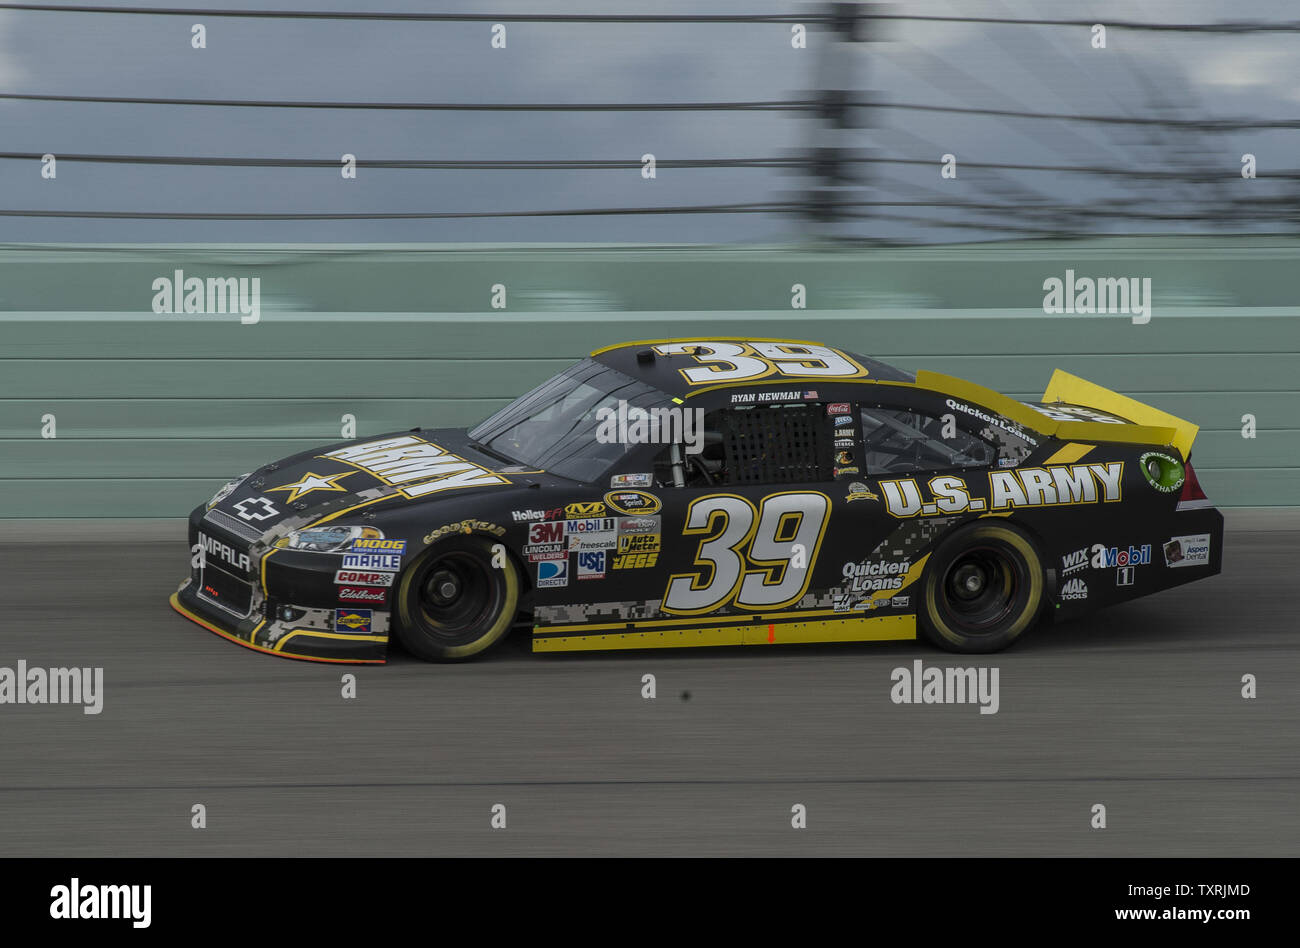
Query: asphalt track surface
[(1137, 708)]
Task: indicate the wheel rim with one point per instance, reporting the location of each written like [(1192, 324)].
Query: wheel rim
[(980, 589), (456, 594)]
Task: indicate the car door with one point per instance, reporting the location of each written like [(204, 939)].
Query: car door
[(744, 533)]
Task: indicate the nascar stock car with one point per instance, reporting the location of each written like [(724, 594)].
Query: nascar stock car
[(710, 492)]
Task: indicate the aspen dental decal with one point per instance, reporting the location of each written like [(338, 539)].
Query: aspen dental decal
[(1026, 487), (417, 466)]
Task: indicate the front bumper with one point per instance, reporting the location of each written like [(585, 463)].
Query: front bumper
[(276, 601), (285, 639)]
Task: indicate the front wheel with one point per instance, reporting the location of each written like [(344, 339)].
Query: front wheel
[(983, 588), (453, 603)]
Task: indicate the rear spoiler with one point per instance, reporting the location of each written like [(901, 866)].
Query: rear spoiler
[(1149, 425)]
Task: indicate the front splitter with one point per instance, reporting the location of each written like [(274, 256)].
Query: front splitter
[(306, 636)]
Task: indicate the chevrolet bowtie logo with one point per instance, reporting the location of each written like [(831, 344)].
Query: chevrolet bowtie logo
[(255, 508)]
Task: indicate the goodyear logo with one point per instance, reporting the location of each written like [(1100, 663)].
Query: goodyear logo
[(352, 620), (579, 511)]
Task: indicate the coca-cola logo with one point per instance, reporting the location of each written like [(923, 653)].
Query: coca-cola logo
[(364, 595)]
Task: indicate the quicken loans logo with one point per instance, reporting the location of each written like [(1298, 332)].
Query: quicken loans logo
[(921, 685), (23, 685), (1100, 295), (103, 901), (217, 296)]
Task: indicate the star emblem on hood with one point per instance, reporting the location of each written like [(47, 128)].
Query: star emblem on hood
[(310, 482)]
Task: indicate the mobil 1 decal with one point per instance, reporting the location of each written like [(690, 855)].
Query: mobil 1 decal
[(1052, 486)]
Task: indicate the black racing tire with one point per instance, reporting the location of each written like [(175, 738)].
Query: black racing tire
[(452, 603), (984, 586)]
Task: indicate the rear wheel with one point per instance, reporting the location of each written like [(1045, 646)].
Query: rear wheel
[(453, 603), (983, 588)]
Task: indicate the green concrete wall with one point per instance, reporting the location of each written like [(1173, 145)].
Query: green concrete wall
[(153, 412)]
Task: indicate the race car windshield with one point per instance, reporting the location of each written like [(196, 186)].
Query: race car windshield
[(556, 426)]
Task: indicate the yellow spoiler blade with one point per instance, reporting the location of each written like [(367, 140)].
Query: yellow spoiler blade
[(1073, 390)]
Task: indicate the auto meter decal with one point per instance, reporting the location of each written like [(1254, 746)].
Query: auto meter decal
[(632, 502)]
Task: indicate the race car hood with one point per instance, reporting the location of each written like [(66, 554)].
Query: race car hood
[(418, 465)]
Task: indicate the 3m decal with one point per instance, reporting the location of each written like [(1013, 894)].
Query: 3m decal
[(550, 531), (742, 362), (417, 466), (759, 558)]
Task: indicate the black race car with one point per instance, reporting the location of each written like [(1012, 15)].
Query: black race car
[(710, 492)]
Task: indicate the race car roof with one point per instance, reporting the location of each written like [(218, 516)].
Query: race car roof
[(644, 360)]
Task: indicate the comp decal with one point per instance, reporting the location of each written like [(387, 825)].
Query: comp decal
[(417, 466)]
